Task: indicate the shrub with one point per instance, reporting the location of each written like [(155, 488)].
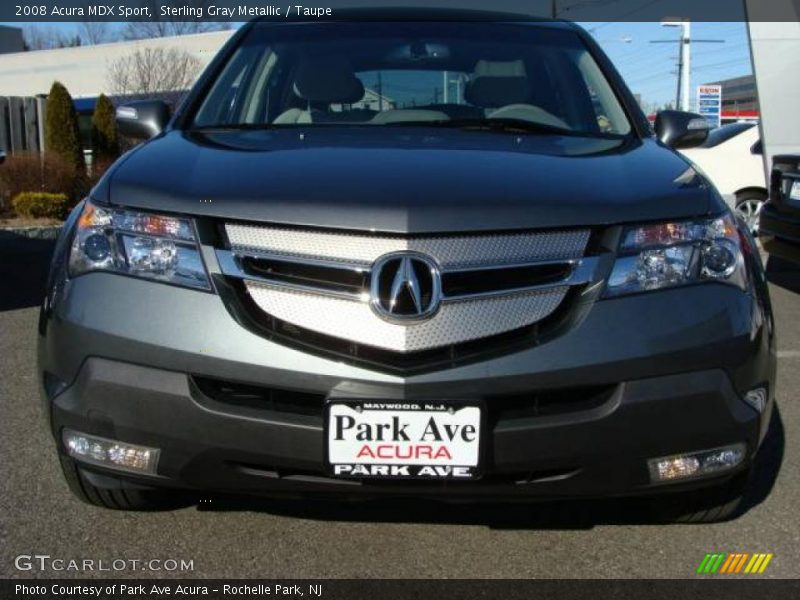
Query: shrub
[(38, 205), (62, 136), (105, 142), (47, 173)]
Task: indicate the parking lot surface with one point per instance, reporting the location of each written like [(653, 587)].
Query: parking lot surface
[(228, 537)]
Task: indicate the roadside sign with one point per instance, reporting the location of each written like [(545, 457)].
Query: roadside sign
[(709, 103)]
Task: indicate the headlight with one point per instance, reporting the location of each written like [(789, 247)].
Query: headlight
[(135, 243), (663, 255)]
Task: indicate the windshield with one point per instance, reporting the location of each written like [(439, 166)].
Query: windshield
[(437, 74), (720, 135)]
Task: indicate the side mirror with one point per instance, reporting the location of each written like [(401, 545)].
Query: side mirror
[(2, 157), (678, 129), (142, 120)]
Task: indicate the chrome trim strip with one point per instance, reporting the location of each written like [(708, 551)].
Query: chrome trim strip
[(519, 265), (230, 265), (583, 272), (331, 263)]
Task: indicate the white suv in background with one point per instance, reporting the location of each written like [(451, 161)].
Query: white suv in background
[(731, 157)]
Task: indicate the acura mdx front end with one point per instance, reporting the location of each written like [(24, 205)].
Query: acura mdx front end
[(441, 258)]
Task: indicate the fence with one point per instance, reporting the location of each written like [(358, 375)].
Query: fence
[(22, 123)]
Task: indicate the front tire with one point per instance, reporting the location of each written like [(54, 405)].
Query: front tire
[(115, 499)]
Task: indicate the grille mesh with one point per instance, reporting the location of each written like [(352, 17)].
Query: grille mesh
[(456, 322), (451, 252)]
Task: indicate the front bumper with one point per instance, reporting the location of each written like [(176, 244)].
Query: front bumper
[(118, 357), (779, 233)]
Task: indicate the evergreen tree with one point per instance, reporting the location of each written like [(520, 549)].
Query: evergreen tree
[(104, 131), (62, 135)]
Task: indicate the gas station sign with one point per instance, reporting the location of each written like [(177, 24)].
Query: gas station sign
[(709, 103)]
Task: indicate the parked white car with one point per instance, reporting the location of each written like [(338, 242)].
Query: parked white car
[(732, 159)]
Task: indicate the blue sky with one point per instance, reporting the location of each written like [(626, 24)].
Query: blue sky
[(650, 69)]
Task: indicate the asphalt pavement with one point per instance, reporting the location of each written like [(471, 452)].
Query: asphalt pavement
[(227, 537)]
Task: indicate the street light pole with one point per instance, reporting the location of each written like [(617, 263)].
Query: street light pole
[(686, 64), (683, 93)]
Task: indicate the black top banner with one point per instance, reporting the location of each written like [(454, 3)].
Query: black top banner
[(276, 10)]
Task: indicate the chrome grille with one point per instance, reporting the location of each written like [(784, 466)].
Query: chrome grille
[(455, 323), (306, 278)]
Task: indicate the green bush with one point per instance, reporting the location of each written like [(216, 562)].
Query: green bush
[(41, 205), (62, 136), (105, 142)]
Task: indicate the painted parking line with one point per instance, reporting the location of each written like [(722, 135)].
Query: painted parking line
[(788, 353)]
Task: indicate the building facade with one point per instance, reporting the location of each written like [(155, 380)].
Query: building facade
[(11, 40), (739, 99)]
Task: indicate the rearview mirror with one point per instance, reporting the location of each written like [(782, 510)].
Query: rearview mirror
[(419, 52), (678, 129), (142, 120)]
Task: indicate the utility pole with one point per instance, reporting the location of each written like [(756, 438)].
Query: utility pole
[(686, 64), (683, 93), (380, 91)]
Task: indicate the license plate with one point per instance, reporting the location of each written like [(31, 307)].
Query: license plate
[(411, 440), (794, 193)]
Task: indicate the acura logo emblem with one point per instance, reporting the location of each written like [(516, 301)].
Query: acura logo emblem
[(405, 286)]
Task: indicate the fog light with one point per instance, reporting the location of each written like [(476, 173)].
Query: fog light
[(110, 453), (696, 464), (757, 398)]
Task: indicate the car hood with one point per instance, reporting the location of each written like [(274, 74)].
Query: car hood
[(406, 180)]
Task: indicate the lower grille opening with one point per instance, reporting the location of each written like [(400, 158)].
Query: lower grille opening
[(506, 407), (308, 476), (548, 403), (299, 475), (244, 395)]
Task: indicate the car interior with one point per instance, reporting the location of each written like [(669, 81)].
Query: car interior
[(324, 86)]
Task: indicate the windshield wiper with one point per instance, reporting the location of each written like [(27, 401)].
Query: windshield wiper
[(235, 127), (503, 125)]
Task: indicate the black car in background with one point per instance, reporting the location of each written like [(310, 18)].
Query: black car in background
[(780, 217)]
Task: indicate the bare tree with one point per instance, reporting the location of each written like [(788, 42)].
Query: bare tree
[(95, 32), (140, 30), (165, 73), (38, 37)]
